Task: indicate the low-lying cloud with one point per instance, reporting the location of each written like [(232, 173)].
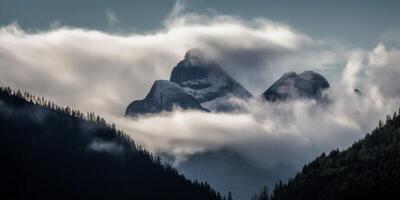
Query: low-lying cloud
[(109, 147), (103, 72)]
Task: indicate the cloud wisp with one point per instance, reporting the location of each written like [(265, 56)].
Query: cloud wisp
[(102, 72), (109, 70)]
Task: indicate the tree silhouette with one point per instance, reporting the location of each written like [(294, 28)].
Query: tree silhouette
[(369, 169), (230, 196), (263, 194), (53, 152)]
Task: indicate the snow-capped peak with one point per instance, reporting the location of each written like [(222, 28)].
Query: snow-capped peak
[(206, 81)]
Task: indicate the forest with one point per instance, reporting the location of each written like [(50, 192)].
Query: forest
[(369, 169), (53, 152)]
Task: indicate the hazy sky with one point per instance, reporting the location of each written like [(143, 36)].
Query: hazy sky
[(98, 56), (359, 22)]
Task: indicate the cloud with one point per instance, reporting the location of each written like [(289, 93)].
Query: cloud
[(178, 9), (102, 146), (391, 37), (112, 20), (384, 70), (288, 133), (103, 72)]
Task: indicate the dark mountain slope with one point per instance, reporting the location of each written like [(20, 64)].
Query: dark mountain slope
[(49, 152), (225, 170), (369, 169)]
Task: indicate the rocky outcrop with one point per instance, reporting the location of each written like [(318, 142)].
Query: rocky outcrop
[(291, 86), (196, 83), (207, 82)]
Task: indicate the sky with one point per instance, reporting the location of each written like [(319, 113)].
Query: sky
[(359, 22), (98, 56)]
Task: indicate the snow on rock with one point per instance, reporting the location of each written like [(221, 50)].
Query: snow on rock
[(308, 84), (196, 83), (205, 80), (163, 96)]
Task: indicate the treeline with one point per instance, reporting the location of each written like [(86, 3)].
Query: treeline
[(369, 169), (44, 103), (53, 152)]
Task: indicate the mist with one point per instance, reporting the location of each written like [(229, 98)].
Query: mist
[(103, 72)]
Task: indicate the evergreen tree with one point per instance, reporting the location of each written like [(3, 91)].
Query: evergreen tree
[(263, 194), (63, 155), (369, 169), (230, 196)]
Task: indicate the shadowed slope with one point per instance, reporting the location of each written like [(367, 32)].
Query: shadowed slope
[(50, 152)]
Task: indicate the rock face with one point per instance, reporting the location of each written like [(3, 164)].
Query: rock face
[(205, 80), (291, 85), (196, 83), (163, 96)]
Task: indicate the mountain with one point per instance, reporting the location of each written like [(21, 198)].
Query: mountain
[(196, 83), (163, 96), (51, 152), (226, 170), (369, 169), (291, 85), (207, 82)]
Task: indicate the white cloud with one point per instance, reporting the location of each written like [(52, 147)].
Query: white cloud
[(102, 146), (383, 70), (102, 72), (112, 20)]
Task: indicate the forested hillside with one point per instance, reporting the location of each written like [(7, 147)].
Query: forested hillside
[(52, 152), (369, 169)]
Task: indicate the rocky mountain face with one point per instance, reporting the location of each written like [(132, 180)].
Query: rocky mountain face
[(205, 80), (196, 83), (163, 96), (291, 85), (200, 83)]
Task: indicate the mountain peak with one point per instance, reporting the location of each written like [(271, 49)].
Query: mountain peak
[(194, 54), (289, 74), (196, 83), (163, 85), (206, 81), (307, 84), (312, 76)]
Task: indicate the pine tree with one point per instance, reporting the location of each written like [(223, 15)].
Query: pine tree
[(264, 195), (21, 133), (388, 118), (230, 196), (380, 124)]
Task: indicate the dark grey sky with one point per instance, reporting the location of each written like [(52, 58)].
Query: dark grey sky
[(360, 22)]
